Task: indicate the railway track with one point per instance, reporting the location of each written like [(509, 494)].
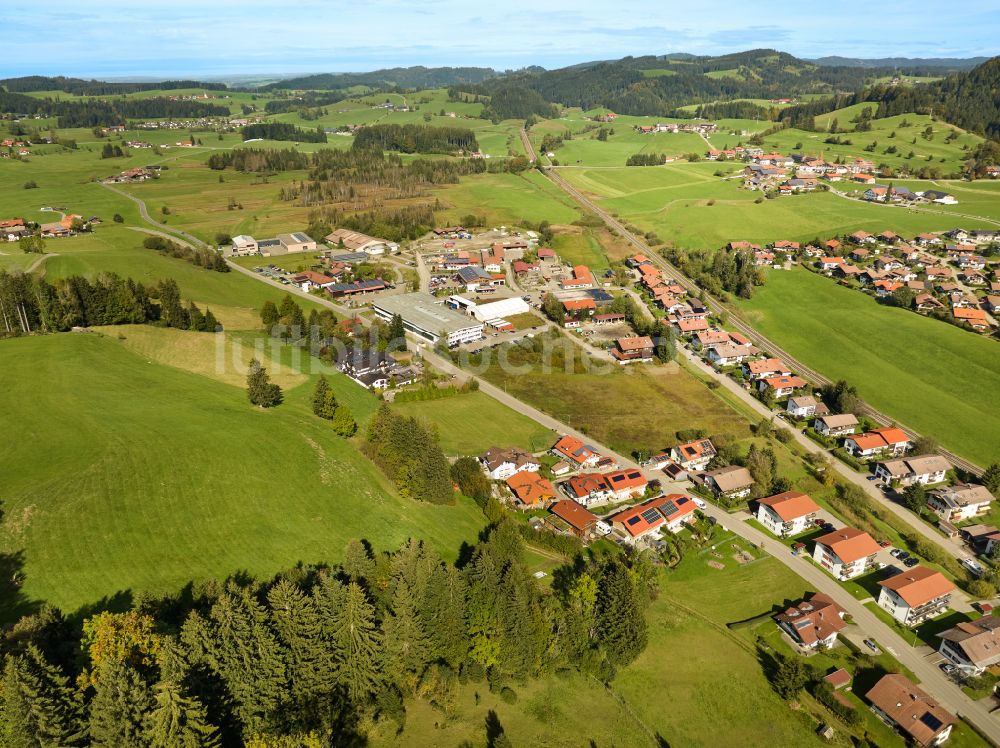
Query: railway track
[(735, 320)]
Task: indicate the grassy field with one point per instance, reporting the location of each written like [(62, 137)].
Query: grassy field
[(933, 377), (469, 424), (686, 205), (507, 199), (181, 480)]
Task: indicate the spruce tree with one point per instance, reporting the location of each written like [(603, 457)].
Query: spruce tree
[(621, 624), (406, 652), (178, 721), (343, 422), (39, 705), (319, 395), (358, 563), (261, 391), (119, 708), (444, 613), (269, 316), (356, 644)]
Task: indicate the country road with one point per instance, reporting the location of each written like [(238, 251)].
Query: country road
[(144, 213), (718, 307)]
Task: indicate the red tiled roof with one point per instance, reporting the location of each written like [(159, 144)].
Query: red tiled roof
[(790, 505)]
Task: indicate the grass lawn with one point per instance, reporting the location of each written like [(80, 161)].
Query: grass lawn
[(470, 423), (107, 494), (510, 199), (933, 377)]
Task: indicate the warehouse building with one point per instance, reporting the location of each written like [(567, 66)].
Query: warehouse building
[(427, 317)]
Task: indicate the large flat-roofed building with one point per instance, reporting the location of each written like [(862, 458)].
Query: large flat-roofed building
[(296, 242), (427, 317)]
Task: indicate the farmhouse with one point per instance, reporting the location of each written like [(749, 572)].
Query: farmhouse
[(694, 455), (531, 488), (925, 469), (576, 452), (905, 706), (891, 441), (846, 553), (915, 595), (501, 463), (813, 623), (629, 350), (578, 521), (732, 482), (960, 502), (973, 645), (355, 241), (425, 316), (786, 514)]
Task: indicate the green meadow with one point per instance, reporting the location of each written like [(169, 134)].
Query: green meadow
[(933, 377), (181, 480)]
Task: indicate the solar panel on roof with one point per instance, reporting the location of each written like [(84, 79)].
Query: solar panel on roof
[(650, 515), (669, 508), (632, 520), (931, 721), (617, 478)]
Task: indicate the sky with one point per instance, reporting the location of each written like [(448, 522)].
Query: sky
[(188, 38)]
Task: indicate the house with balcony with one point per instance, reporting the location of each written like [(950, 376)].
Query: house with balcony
[(973, 645), (960, 502), (694, 455), (846, 553), (885, 442), (786, 514), (732, 481), (905, 707), (837, 424), (813, 623), (914, 595), (925, 469)]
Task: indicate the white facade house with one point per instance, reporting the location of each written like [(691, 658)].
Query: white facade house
[(926, 469), (838, 424), (960, 502), (501, 464), (802, 406), (914, 595), (973, 645), (846, 553), (786, 514)]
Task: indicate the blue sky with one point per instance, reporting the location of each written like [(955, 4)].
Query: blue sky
[(113, 38)]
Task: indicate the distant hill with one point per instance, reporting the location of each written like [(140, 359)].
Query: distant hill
[(412, 77), (80, 87), (904, 63)]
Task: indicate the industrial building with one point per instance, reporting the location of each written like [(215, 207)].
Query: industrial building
[(427, 317)]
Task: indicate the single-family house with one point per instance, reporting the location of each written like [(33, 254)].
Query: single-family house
[(588, 488), (629, 350), (916, 594), (727, 354), (693, 455), (835, 424), (813, 623), (576, 452), (960, 502), (801, 406), (732, 481), (531, 488), (846, 553), (765, 367), (500, 462), (830, 263), (781, 386), (786, 514), (880, 442), (578, 520), (310, 279), (709, 338), (903, 705), (925, 469), (625, 484), (669, 513), (972, 645)]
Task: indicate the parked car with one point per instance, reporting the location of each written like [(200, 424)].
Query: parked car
[(884, 544), (895, 552), (872, 646), (911, 562), (948, 668), (972, 565), (700, 503), (819, 522), (871, 477)]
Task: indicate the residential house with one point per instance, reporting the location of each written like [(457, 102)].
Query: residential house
[(690, 326), (726, 354), (973, 646), (694, 455), (925, 302), (765, 367), (905, 706), (626, 484), (629, 350), (801, 406), (960, 502), (709, 338), (786, 514), (577, 520), (830, 263), (588, 489), (781, 386), (669, 513), (925, 469), (813, 623), (531, 488), (880, 442), (732, 481), (975, 318), (369, 368), (846, 553), (310, 279), (581, 278), (576, 452), (500, 462), (916, 594), (836, 424)]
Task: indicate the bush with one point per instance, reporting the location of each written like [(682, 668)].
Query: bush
[(783, 435), (117, 218), (31, 184), (509, 695)]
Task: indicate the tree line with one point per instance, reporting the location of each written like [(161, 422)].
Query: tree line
[(210, 259), (409, 453), (95, 112), (282, 131), (412, 138), (81, 87), (31, 304), (730, 270), (646, 159), (319, 655)]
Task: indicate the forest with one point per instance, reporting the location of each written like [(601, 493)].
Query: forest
[(319, 655), (81, 87), (412, 138), (391, 78), (282, 131), (31, 304), (94, 113)]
